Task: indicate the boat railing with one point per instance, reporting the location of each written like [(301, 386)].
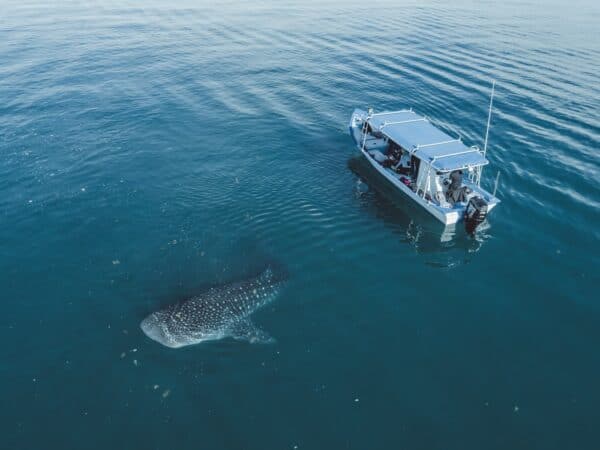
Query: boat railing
[(470, 150), (391, 112), (385, 124), (436, 143)]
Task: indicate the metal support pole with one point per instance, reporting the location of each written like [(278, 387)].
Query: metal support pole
[(425, 180)]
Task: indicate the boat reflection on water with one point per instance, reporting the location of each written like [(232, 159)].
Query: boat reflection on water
[(445, 246)]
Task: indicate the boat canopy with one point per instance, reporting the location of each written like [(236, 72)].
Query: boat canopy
[(417, 135)]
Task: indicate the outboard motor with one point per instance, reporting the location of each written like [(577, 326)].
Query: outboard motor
[(475, 213)]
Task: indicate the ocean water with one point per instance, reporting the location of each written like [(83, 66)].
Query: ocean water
[(151, 148)]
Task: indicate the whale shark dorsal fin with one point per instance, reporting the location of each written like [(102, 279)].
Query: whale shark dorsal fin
[(246, 330)]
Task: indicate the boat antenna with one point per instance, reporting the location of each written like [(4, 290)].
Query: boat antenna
[(487, 129)]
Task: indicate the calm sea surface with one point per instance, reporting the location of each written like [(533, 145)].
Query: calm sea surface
[(147, 150)]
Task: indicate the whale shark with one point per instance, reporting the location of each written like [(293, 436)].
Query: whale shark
[(220, 312)]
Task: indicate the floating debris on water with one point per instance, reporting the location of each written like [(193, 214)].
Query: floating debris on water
[(356, 400), (122, 355), (516, 408), (166, 393), (155, 387), (116, 262), (135, 362)]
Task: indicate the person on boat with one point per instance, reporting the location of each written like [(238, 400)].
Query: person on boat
[(393, 155), (403, 165), (455, 180), (456, 191), (394, 150)]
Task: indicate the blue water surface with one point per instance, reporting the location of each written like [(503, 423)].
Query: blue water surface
[(149, 148)]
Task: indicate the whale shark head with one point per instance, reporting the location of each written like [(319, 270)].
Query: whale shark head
[(155, 330), (171, 330)]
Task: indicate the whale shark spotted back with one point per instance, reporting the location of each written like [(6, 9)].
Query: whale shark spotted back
[(219, 312)]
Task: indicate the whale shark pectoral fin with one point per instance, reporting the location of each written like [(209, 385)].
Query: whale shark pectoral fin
[(246, 330)]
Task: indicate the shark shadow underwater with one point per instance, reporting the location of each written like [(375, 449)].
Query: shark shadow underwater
[(220, 312)]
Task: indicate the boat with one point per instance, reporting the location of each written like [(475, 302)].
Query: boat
[(436, 171)]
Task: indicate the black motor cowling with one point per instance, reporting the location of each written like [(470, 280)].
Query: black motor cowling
[(475, 213)]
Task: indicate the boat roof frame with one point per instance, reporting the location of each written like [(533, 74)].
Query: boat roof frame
[(428, 158)]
